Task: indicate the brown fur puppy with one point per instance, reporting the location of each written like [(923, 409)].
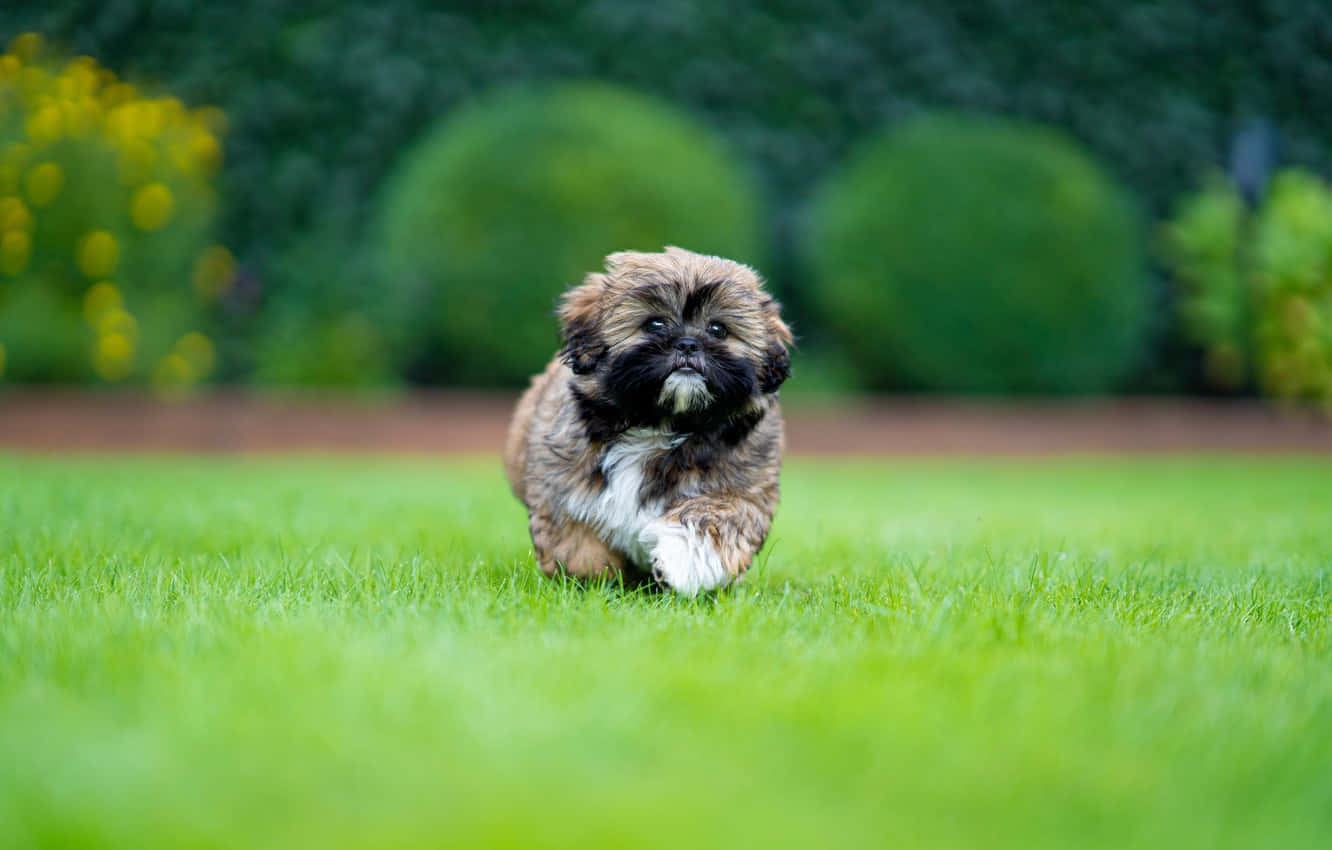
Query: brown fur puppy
[(653, 441)]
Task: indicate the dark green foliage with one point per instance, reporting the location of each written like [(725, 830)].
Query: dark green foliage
[(518, 197), (968, 254), (323, 324)]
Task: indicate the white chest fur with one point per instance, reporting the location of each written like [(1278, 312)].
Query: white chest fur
[(617, 511)]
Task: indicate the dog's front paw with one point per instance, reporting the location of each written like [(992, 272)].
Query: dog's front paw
[(684, 560)]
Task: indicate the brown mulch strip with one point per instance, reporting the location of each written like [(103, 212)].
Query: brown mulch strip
[(456, 422)]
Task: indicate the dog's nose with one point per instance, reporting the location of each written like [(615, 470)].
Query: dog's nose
[(687, 345)]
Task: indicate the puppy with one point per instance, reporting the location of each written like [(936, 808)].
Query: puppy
[(652, 442)]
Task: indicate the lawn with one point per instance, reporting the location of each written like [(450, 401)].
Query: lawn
[(946, 653)]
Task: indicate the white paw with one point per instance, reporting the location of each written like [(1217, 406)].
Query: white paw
[(683, 560)]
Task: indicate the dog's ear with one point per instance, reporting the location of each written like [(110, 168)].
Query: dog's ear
[(580, 325), (776, 366)]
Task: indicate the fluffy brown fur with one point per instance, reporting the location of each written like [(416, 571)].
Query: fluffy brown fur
[(653, 441)]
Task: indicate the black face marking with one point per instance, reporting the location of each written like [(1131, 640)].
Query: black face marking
[(699, 298), (633, 383), (634, 379)]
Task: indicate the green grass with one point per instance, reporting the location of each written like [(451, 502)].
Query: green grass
[(339, 653)]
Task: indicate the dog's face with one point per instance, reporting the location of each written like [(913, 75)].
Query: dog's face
[(675, 336)]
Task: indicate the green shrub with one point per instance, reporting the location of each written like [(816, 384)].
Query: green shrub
[(1201, 244), (1292, 283), (321, 324), (516, 198), (1256, 291), (105, 209), (968, 254)]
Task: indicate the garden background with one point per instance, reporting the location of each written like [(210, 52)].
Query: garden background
[(997, 197)]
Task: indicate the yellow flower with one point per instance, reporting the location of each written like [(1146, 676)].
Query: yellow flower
[(198, 351), (80, 117), (113, 356), (202, 153), (99, 300), (32, 81), (136, 161), (78, 80), (45, 126), (9, 65), (66, 87), (15, 250), (116, 94), (214, 271), (152, 206), (172, 375), (15, 154), (14, 215), (148, 119), (117, 321), (119, 118), (83, 72), (45, 181), (98, 254)]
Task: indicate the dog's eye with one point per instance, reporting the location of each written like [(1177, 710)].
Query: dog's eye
[(655, 325), (717, 329)]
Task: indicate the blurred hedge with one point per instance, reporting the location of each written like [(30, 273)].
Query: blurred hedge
[(105, 211), (965, 253), (1256, 288), (513, 200), (323, 96)]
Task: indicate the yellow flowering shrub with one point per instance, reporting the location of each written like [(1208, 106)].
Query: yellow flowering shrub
[(106, 208)]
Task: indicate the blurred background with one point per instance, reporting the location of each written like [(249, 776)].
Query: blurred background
[(1005, 198)]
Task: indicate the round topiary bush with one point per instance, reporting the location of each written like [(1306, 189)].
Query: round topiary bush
[(506, 204), (968, 254)]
